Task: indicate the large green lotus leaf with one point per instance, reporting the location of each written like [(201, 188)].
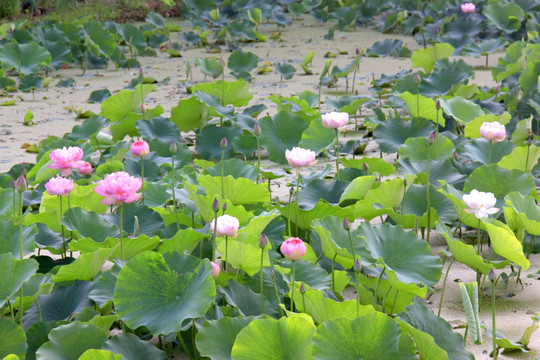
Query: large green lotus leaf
[(68, 342), (318, 190), (210, 66), (98, 96), (322, 309), (321, 209), (215, 338), (88, 129), (96, 354), (132, 246), (140, 217), (30, 83), (391, 134), (13, 339), (9, 233), (529, 77), (25, 58), (420, 317), (505, 243), (248, 302), (425, 58), (401, 252), (515, 59), (155, 19), (348, 104), (238, 191), (498, 181), (234, 167), (240, 61), (285, 70), (89, 224), (244, 256), (464, 253), (373, 336), (527, 209), (461, 109), (523, 158), (357, 189), (375, 165), (209, 139), (269, 339), (281, 132), (183, 240), (130, 347), (103, 289), (250, 233), (101, 41), (478, 150), (505, 16), (439, 170), (133, 36), (485, 47), (426, 345), (302, 105), (120, 105), (427, 108), (237, 92), (522, 131), (307, 272), (86, 267), (13, 273), (61, 304), (317, 137), (189, 114), (37, 335), (472, 129), (159, 128), (161, 291), (388, 194), (419, 149)]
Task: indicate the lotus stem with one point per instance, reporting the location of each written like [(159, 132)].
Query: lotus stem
[(377, 287), (273, 274), (289, 216), (495, 352), (259, 161), (394, 303), (174, 196), (489, 152), (352, 247), (121, 213), (61, 229), (226, 251), (297, 195), (214, 247), (184, 347), (334, 273), (337, 154), (21, 255), (38, 307), (444, 286), (262, 282), (222, 172), (357, 277), (142, 177), (527, 158), (293, 284), (428, 197), (479, 239)]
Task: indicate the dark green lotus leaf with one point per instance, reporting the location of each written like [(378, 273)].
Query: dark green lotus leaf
[(215, 338), (190, 37), (98, 96), (419, 149), (420, 317), (401, 251), (160, 292), (393, 133), (317, 189), (245, 144), (240, 61), (234, 167), (439, 170), (37, 335), (210, 66), (150, 223), (6, 82), (286, 338), (415, 203), (373, 336), (61, 304), (26, 58), (88, 129), (384, 48), (13, 340), (89, 224), (310, 274), (348, 104), (69, 82), (461, 109), (133, 348), (101, 41), (281, 132), (317, 137), (159, 128), (156, 40), (478, 150), (64, 337), (247, 301), (103, 289), (506, 16), (132, 36), (485, 47), (280, 18), (498, 181), (236, 93), (86, 267), (445, 75), (284, 69), (208, 141), (470, 26), (9, 233), (30, 82), (155, 19), (528, 77), (302, 105), (13, 273)]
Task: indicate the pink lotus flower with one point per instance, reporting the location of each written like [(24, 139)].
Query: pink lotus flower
[(480, 203), (140, 148), (227, 225), (298, 157), (293, 248), (119, 187), (85, 169), (335, 120), (59, 186), (215, 269), (493, 131), (468, 8), (66, 159)]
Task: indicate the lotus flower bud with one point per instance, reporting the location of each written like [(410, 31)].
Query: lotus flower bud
[(221, 61), (438, 104), (357, 265), (85, 169), (257, 131), (263, 241), (223, 143), (215, 269), (357, 51), (291, 190), (417, 79), (456, 155), (224, 207), (140, 148), (497, 89), (432, 138), (272, 272), (215, 205), (492, 276), (173, 148), (20, 184), (346, 224), (436, 31), (302, 288), (365, 167), (293, 248)]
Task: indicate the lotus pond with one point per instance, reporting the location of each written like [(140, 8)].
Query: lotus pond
[(310, 179)]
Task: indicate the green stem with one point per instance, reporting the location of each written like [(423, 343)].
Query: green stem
[(334, 273), (489, 153), (142, 177), (289, 216), (222, 174), (38, 307), (121, 213), (495, 352), (479, 239), (258, 159), (179, 336), (11, 310), (337, 154), (226, 253), (357, 276), (465, 335), (444, 286), (428, 195), (277, 293), (20, 305), (296, 215), (214, 247), (527, 158), (303, 302), (352, 247), (377, 287), (262, 282), (293, 284), (394, 303), (62, 228), (174, 196), (21, 226)]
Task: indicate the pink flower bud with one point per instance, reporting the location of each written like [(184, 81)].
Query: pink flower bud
[(302, 288), (215, 205), (357, 265), (293, 248), (85, 169), (257, 131), (432, 138), (493, 131), (215, 269), (173, 148), (335, 120), (492, 276), (468, 8), (223, 143), (140, 148), (346, 224), (417, 79), (59, 186), (226, 226), (263, 241), (20, 184), (298, 157)]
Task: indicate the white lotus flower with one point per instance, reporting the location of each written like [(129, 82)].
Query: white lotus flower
[(481, 204)]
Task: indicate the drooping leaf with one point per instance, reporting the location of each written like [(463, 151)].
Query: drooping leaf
[(13, 273), (215, 339), (469, 297), (130, 347), (13, 339), (24, 58), (505, 243)]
